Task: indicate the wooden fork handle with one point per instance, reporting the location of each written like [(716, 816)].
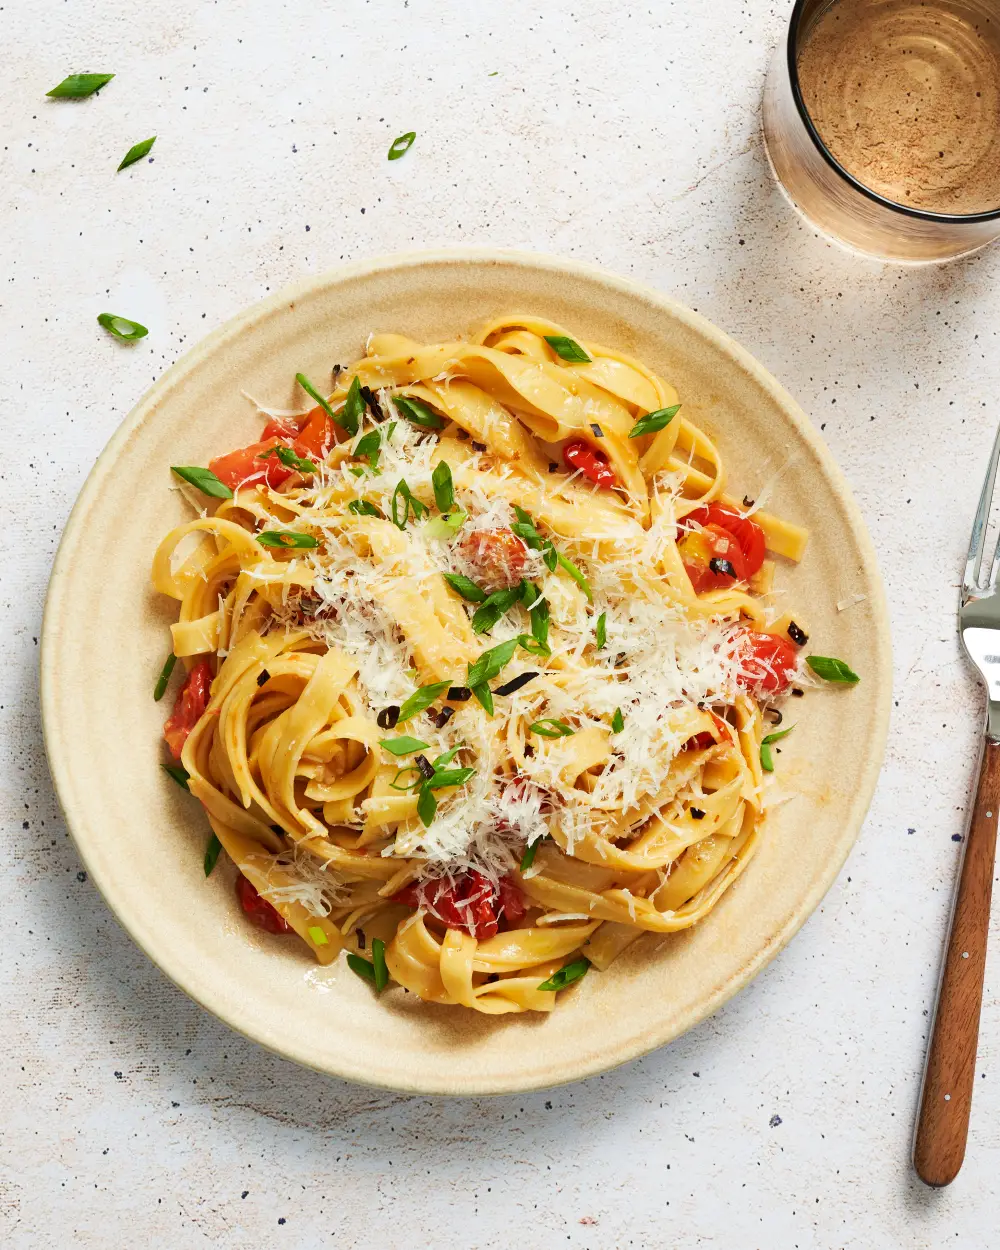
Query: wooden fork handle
[(946, 1095)]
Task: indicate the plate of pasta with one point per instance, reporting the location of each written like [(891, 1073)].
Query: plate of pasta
[(501, 672)]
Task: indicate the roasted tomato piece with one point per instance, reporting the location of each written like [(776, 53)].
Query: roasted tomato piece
[(466, 902), (258, 910), (511, 901), (189, 707), (747, 533), (497, 558), (244, 467), (593, 464), (712, 558), (768, 663), (316, 435), (286, 428)]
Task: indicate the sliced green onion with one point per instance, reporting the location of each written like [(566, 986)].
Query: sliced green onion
[(212, 852), (418, 412), (401, 145), (550, 557), (286, 538), (122, 328), (832, 670), (448, 756), (524, 528), (491, 663), (362, 507), (369, 445), (617, 721), (532, 646), (450, 777), (549, 727), (379, 964), (444, 487), (601, 632), (539, 615), (404, 745), (427, 805), (566, 975), (567, 348), (342, 419), (79, 86), (493, 608), (402, 772), (362, 967), (766, 758), (446, 526), (136, 153), (161, 682), (180, 775), (466, 587), (530, 851), (576, 575), (654, 421), (421, 699), (318, 936), (203, 479), (410, 502), (289, 459), (354, 407), (485, 696)]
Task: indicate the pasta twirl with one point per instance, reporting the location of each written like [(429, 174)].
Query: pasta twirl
[(482, 684)]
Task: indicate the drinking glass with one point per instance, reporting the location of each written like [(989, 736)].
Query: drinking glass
[(833, 200)]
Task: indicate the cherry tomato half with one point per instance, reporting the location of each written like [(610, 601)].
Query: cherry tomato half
[(747, 533), (258, 910), (592, 463), (769, 663), (712, 558), (189, 707)]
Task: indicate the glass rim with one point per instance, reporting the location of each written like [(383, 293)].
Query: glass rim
[(921, 214)]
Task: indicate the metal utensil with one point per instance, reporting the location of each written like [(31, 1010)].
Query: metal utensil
[(946, 1094)]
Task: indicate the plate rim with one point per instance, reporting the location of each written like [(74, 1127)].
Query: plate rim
[(881, 677)]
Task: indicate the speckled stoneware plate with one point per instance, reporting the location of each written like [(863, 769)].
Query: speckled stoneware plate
[(142, 839)]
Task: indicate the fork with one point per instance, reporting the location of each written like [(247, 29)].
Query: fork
[(949, 1075)]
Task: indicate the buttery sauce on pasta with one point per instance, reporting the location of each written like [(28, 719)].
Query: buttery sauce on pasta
[(478, 653)]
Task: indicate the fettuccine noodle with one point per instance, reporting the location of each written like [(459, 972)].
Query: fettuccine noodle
[(568, 615)]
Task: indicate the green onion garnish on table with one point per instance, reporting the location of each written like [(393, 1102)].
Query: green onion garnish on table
[(399, 147), (79, 86), (136, 153), (122, 328)]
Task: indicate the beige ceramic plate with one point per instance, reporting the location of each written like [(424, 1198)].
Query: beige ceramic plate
[(142, 839)]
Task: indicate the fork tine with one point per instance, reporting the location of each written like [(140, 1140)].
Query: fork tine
[(973, 565)]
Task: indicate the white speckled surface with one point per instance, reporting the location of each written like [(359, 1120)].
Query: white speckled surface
[(628, 137)]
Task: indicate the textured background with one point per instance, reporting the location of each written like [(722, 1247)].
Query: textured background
[(627, 137)]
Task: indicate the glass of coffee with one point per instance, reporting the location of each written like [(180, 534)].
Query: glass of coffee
[(881, 122)]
